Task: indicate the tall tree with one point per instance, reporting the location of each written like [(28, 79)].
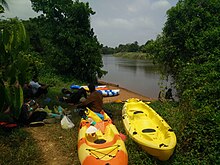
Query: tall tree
[(189, 47), (68, 41), (190, 33)]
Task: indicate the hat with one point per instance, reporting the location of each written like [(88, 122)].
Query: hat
[(91, 130)]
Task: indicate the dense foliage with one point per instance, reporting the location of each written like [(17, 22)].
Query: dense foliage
[(129, 47), (189, 48), (107, 50), (3, 6), (133, 47), (64, 39), (14, 65)]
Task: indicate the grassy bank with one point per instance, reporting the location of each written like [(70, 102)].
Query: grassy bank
[(19, 147)]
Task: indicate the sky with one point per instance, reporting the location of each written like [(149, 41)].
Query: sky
[(115, 22)]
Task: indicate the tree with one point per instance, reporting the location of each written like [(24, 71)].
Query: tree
[(4, 4), (189, 48), (133, 47), (130, 47), (68, 42), (190, 33), (107, 50)]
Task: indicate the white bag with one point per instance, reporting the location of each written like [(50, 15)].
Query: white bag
[(66, 123)]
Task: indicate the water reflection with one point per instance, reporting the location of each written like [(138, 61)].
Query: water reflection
[(137, 65), (141, 76)]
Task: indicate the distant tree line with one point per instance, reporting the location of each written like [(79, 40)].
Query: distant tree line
[(129, 47)]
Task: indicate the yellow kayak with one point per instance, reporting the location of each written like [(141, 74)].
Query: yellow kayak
[(100, 144), (148, 129)]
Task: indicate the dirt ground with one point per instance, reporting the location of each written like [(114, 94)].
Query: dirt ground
[(49, 149), (51, 154)]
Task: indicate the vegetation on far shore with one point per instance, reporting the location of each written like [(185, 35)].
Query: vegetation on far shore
[(133, 55)]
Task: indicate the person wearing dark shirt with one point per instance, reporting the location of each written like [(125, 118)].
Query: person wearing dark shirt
[(95, 103), (94, 100), (169, 95), (29, 115), (73, 97)]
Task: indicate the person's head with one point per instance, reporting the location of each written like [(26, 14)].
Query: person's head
[(26, 85), (35, 79), (64, 90), (91, 87)]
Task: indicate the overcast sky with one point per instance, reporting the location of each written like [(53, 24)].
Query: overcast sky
[(116, 21)]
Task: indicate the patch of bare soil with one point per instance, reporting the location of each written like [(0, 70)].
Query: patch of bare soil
[(49, 147)]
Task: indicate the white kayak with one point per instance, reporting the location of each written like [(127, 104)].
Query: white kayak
[(110, 92)]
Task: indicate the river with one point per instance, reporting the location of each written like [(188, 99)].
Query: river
[(140, 76)]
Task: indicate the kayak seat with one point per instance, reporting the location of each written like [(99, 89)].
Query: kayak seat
[(137, 112), (99, 141), (148, 130)]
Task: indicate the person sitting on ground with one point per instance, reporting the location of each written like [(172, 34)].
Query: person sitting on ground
[(27, 92), (94, 101), (169, 95), (38, 89), (29, 114), (73, 97)]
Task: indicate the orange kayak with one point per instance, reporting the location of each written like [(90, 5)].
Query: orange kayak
[(100, 144)]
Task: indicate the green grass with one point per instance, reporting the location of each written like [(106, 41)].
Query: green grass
[(169, 111), (18, 147)]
